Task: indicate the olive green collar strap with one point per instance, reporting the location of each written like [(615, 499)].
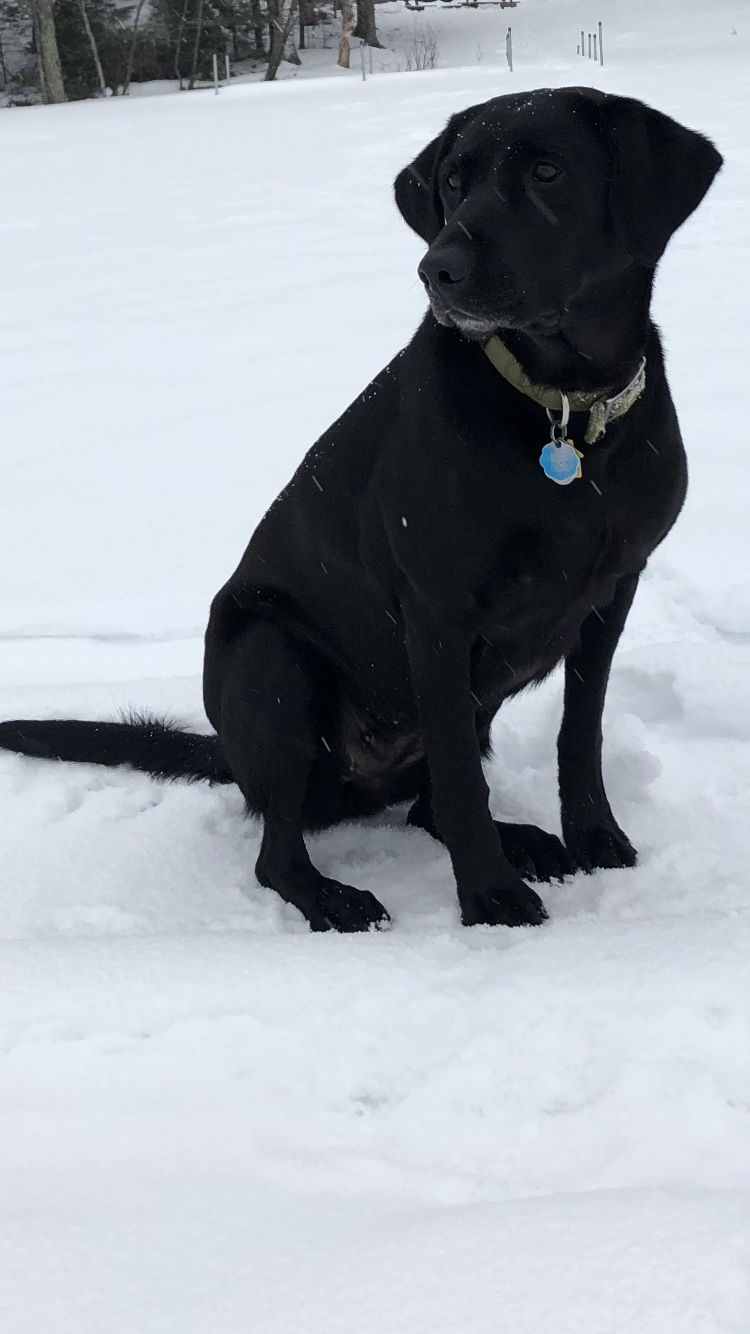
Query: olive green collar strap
[(602, 408)]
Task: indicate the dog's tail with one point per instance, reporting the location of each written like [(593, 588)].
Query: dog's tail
[(141, 742)]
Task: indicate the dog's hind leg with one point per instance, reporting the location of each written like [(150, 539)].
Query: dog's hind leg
[(530, 850), (270, 726)]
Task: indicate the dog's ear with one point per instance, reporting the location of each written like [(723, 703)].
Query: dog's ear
[(416, 187), (417, 198), (662, 172)]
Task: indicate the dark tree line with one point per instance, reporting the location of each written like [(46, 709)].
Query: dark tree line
[(63, 50)]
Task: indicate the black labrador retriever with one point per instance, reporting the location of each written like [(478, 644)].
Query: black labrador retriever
[(421, 566)]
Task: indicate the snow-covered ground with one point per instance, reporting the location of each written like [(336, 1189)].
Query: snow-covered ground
[(212, 1122)]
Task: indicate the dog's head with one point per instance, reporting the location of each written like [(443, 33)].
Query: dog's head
[(526, 200)]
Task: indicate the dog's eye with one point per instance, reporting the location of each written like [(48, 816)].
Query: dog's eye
[(545, 172), (453, 181)]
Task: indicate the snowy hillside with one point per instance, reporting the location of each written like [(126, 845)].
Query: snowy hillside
[(211, 1121)]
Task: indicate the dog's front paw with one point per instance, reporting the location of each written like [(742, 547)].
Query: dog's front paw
[(338, 907), (535, 853), (602, 846), (512, 903)]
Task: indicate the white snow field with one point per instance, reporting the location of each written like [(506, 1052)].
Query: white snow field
[(212, 1121)]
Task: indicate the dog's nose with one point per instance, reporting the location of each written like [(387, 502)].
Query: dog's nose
[(442, 270)]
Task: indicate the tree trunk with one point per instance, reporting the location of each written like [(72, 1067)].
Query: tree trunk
[(273, 13), (291, 54), (50, 73), (178, 44), (131, 52), (282, 22), (306, 20), (197, 43), (94, 48), (257, 20), (3, 66), (346, 32), (365, 28)]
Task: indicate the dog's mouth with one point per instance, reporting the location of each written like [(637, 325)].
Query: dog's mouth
[(473, 324), (478, 325)]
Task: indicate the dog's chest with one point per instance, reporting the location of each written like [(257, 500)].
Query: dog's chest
[(542, 585)]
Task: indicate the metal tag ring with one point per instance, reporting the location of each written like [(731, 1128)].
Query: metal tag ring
[(559, 427)]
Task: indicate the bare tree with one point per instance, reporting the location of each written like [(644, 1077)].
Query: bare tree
[(306, 19), (346, 32), (424, 52), (258, 26), (275, 43), (178, 42), (281, 22), (290, 52), (94, 47), (50, 73), (365, 27), (4, 67), (197, 43), (131, 51)]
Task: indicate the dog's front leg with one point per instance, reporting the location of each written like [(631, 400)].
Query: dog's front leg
[(592, 835), (489, 890)]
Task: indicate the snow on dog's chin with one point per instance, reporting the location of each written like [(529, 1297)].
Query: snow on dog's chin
[(470, 326), (442, 316), (477, 329)]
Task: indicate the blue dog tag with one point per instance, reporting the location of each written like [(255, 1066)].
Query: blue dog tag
[(561, 462)]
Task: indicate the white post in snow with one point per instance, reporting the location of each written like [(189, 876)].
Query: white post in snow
[(583, 48), (369, 51), (589, 37), (601, 48), (594, 46), (216, 75), (509, 50), (226, 64), (362, 60)]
